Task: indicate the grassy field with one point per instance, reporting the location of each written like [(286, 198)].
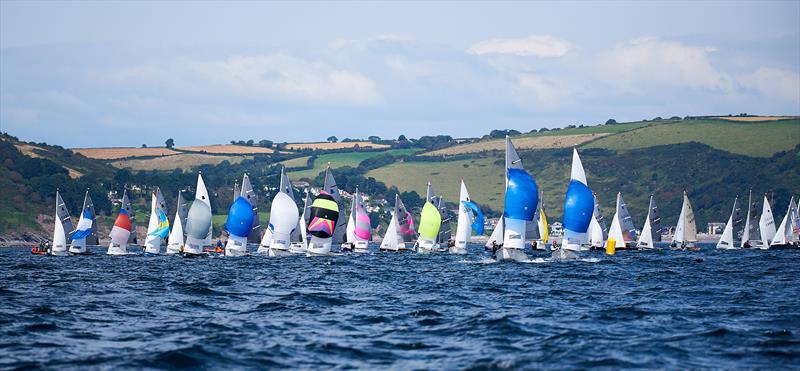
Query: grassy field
[(296, 162), (758, 139), (185, 161), (115, 153), (756, 118), (227, 149), (329, 146), (520, 142), (345, 159)]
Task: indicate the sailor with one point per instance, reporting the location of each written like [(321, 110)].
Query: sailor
[(495, 247), (533, 245)]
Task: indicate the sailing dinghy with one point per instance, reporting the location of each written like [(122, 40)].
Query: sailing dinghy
[(198, 222), (766, 225), (175, 240), (786, 234), (578, 210), (399, 232), (358, 231), (63, 223), (300, 245), (646, 238), (750, 233), (158, 226), (470, 219), (322, 226), (283, 220), (685, 230), (123, 230), (521, 201), (726, 241), (430, 221), (238, 224), (597, 231), (84, 229), (622, 230)]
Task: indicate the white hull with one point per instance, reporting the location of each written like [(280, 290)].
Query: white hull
[(275, 252), (426, 247), (400, 247), (318, 249), (114, 249), (236, 246), (78, 246), (155, 250), (361, 246), (172, 249), (511, 254), (457, 250), (297, 248), (562, 254)]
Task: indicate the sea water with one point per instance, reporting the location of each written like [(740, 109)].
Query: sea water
[(637, 309)]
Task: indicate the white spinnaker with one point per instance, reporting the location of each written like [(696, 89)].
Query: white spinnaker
[(464, 226), (766, 224)]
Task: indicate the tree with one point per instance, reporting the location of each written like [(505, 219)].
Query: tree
[(374, 138), (333, 139), (265, 143), (250, 142), (144, 145), (402, 138), (611, 122), (170, 143)]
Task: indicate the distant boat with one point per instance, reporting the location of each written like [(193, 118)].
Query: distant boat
[(175, 240), (123, 230), (786, 234), (726, 241), (470, 219), (158, 227), (646, 238), (84, 229), (521, 201), (394, 239), (597, 232), (283, 221), (622, 229), (578, 207), (686, 229), (238, 224), (445, 232), (198, 222), (751, 235), (430, 221), (63, 223), (341, 224), (766, 225), (358, 230), (542, 226), (322, 226)]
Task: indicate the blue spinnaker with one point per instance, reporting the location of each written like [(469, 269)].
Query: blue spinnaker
[(240, 218), (522, 195), (477, 219), (578, 207)]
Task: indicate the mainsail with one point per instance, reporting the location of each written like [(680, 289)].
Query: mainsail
[(405, 221), (785, 234), (198, 222), (622, 229), (250, 195), (750, 233), (394, 236), (341, 223), (63, 224), (646, 238), (85, 227), (175, 240), (728, 234), (578, 207), (470, 218), (766, 224), (686, 229), (444, 230), (158, 226)]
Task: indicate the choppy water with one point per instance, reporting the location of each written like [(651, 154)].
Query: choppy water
[(638, 309)]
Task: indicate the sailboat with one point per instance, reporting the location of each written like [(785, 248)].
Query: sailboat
[(578, 208), (521, 201), (63, 223), (444, 239), (766, 225), (300, 246), (158, 226), (685, 230), (470, 219), (283, 220), (84, 229), (750, 233), (646, 238), (726, 241), (785, 236), (322, 226), (250, 195), (622, 230), (399, 232), (597, 231), (198, 222), (238, 225), (123, 230), (430, 221), (175, 240), (358, 231), (542, 226), (341, 224)]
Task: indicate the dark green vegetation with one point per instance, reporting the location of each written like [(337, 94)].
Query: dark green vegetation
[(713, 160)]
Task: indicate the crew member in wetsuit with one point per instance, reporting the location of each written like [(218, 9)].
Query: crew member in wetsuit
[(533, 245), (495, 247)]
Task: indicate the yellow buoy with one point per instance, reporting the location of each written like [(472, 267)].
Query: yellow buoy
[(611, 246)]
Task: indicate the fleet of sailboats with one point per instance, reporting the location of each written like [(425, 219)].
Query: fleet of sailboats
[(321, 224)]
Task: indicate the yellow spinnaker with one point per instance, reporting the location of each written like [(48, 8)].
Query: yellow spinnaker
[(430, 222)]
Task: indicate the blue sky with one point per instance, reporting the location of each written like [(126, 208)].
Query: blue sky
[(127, 73)]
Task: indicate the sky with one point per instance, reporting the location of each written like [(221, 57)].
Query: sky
[(105, 74)]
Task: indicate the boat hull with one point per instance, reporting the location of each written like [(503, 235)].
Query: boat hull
[(314, 249), (510, 254)]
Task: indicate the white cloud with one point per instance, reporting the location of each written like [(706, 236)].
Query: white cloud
[(650, 62), (774, 83), (544, 91), (531, 46), (368, 42)]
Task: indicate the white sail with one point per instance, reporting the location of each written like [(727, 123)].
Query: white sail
[(283, 219), (783, 235), (59, 246), (152, 242), (350, 231), (685, 229), (573, 240), (794, 222), (497, 234), (198, 222), (726, 240), (85, 225), (616, 226), (646, 238), (392, 238), (595, 233), (464, 226), (175, 239), (250, 195), (766, 224)]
